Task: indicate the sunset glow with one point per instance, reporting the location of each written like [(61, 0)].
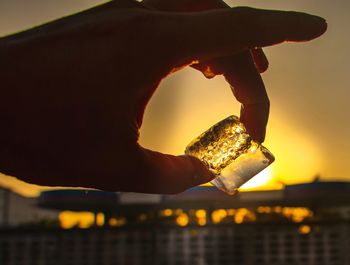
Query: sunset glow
[(175, 132)]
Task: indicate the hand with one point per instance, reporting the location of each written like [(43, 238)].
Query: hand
[(74, 90)]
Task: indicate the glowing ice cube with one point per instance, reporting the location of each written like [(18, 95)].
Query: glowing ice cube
[(228, 151)]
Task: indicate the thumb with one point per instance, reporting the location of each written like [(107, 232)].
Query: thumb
[(213, 34), (172, 174)]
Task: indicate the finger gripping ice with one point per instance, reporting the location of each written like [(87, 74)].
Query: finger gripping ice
[(229, 151)]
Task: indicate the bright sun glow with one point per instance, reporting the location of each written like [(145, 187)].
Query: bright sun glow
[(258, 180)]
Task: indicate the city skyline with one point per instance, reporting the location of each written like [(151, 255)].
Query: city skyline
[(304, 224)]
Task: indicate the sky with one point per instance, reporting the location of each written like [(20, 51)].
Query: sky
[(309, 126)]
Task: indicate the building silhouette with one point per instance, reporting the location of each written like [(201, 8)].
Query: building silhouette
[(16, 210), (302, 224)]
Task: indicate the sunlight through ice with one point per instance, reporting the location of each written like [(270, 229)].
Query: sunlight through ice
[(259, 179)]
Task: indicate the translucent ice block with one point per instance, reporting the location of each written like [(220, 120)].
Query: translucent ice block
[(228, 151)]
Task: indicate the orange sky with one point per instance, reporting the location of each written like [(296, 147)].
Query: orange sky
[(307, 83)]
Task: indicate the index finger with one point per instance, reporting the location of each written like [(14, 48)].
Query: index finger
[(220, 33)]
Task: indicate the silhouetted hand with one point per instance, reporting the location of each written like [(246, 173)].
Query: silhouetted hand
[(74, 90)]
